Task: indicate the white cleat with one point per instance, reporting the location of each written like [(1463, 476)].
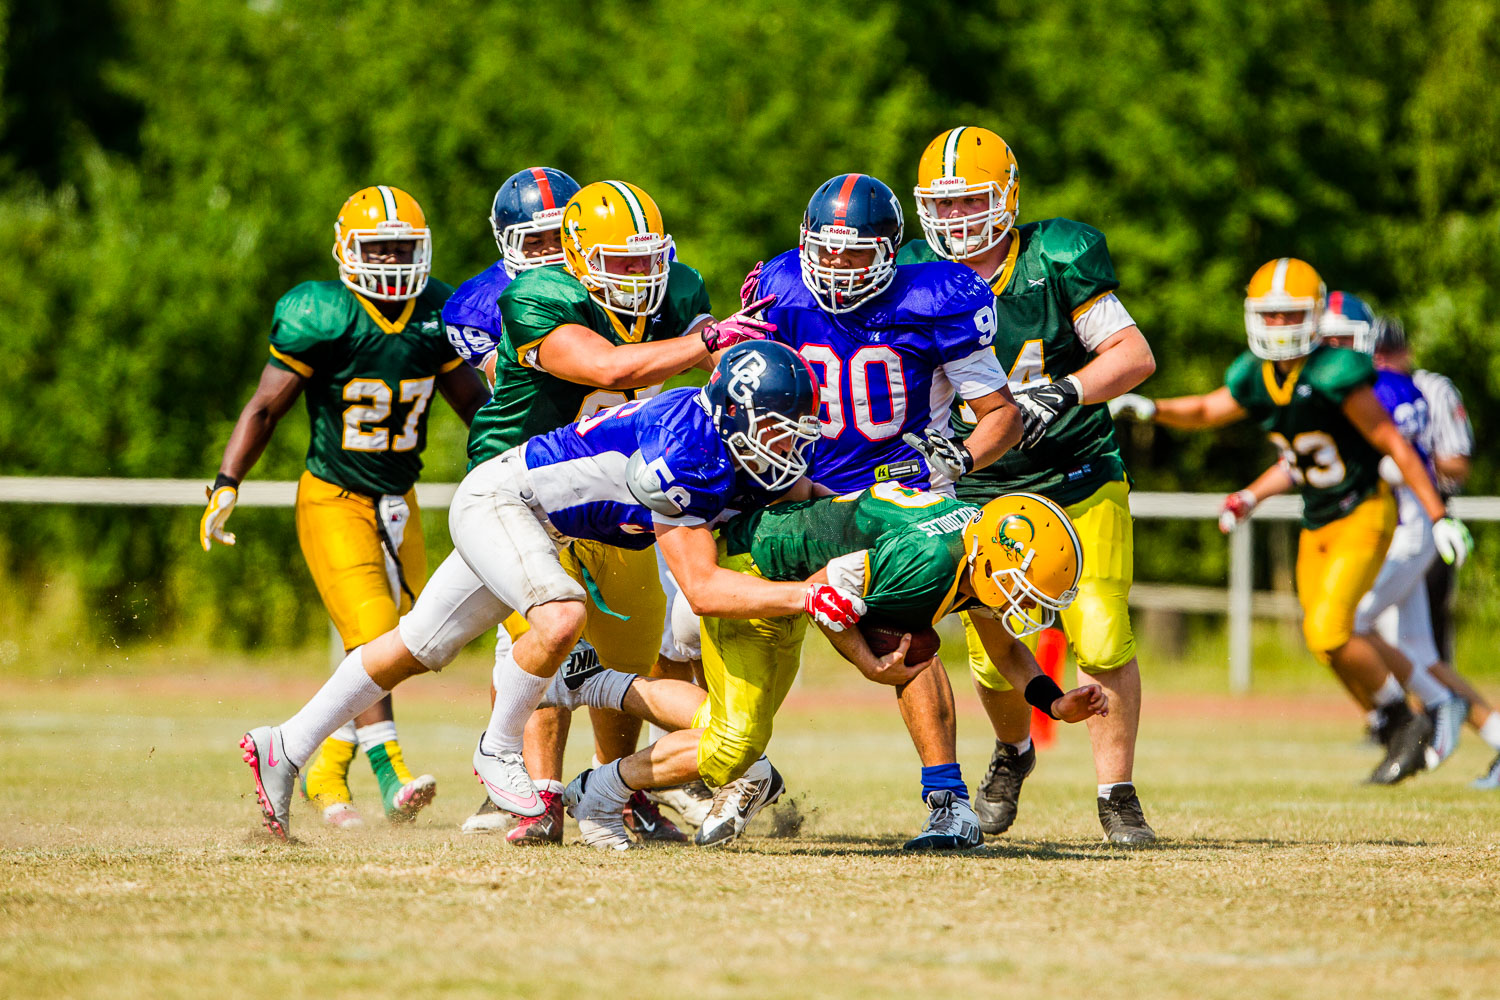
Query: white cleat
[(952, 825), (343, 816), (692, 801), (1447, 726), (505, 780), (736, 804), (489, 818), (601, 824), (275, 777)]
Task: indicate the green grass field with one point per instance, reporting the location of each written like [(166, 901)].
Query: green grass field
[(133, 865)]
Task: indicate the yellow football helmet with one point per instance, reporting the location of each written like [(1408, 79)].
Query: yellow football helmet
[(382, 214), (1024, 560), (1285, 286), (612, 220), (961, 162)]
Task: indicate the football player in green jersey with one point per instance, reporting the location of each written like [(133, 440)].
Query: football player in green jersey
[(1068, 345), (914, 556), (1318, 406), (367, 352)]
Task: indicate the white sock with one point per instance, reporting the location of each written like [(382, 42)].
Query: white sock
[(654, 733), (547, 785), (606, 781), (1426, 687), (1390, 692), (517, 694), (1025, 745), (376, 734), (346, 732), (1104, 790), (1490, 731), (343, 696), (595, 763)]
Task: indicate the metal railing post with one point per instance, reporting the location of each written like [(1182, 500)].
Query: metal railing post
[(1241, 576)]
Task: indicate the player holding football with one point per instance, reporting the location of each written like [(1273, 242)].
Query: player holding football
[(915, 556), (526, 218), (892, 347), (1068, 345), (1318, 407), (367, 351)]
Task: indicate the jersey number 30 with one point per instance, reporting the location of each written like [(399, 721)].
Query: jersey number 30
[(375, 399), (872, 363)]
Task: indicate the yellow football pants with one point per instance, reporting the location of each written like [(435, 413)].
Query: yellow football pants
[(748, 667), (628, 583), (340, 540), (1336, 566), (1097, 623)]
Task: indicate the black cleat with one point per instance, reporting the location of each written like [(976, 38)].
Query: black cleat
[(1406, 753), (1122, 819), (1000, 794)]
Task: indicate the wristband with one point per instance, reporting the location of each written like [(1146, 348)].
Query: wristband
[(1041, 692), (222, 480)]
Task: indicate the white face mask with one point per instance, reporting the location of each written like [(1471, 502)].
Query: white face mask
[(1285, 342), (959, 237), (843, 289), (632, 294), (512, 240), (385, 282)]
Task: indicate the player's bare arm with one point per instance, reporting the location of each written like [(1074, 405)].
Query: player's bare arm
[(892, 668), (1019, 667), (1274, 481), (1364, 411), (1119, 364), (578, 354), (998, 429), (464, 391), (1213, 409), (274, 396), (692, 554)]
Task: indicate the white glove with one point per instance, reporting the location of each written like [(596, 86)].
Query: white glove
[(1390, 472), (1453, 541), (221, 501), (1133, 405), (944, 455), (1237, 507)]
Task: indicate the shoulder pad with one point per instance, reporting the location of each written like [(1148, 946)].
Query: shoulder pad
[(1064, 239), (647, 488)]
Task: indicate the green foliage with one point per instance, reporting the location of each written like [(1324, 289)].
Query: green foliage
[(168, 169)]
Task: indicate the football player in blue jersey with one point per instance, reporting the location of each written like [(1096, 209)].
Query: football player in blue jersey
[(661, 470), (892, 345)]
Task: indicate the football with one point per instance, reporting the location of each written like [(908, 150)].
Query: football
[(884, 637)]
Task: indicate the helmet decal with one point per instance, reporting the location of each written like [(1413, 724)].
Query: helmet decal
[(1014, 546)]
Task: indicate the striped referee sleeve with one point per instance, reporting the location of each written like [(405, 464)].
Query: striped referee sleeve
[(1449, 421)]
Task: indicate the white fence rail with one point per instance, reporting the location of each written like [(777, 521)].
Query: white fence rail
[(1239, 601)]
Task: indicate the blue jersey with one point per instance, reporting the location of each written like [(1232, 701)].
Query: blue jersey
[(578, 472), (888, 368), (472, 314), (1399, 394)]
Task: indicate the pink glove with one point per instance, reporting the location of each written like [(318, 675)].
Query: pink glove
[(833, 607), (740, 327), (1237, 507), (747, 290)]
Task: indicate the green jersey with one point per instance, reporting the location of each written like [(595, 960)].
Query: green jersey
[(1303, 415), (905, 547), (370, 380), (1055, 270), (527, 400)]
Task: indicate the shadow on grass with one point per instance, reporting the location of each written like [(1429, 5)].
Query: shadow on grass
[(849, 845)]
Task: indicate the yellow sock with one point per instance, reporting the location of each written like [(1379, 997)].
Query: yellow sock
[(327, 780)]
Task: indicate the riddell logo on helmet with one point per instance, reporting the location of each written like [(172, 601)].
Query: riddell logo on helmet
[(547, 215), (838, 231), (638, 238), (949, 183)]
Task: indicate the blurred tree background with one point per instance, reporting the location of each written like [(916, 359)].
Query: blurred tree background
[(168, 168)]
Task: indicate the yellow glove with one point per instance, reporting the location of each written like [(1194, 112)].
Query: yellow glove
[(221, 500)]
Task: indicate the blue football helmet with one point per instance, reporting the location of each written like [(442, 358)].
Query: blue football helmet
[(530, 201), (1348, 316), (850, 212), (763, 401)]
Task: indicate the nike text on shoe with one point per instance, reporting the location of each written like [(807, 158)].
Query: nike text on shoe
[(1121, 816), (692, 801), (532, 831), (1447, 720), (951, 825), (737, 803), (1000, 794), (600, 823), (411, 798), (505, 779), (645, 820), (489, 818), (275, 777), (1407, 753)]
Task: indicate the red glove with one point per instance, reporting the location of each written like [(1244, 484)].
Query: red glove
[(747, 290), (740, 327), (833, 607), (1237, 507)]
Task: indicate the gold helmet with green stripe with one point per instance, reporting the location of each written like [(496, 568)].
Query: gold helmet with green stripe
[(615, 244), (382, 244), (968, 192), (1025, 560)]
